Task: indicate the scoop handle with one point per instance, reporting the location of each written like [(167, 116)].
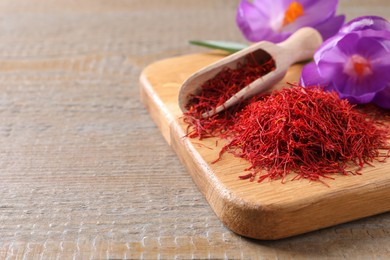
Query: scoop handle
[(301, 45)]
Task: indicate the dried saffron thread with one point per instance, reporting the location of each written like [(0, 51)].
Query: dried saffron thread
[(308, 132), (219, 89)]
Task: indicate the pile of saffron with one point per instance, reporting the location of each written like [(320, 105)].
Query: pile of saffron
[(305, 131), (219, 89)]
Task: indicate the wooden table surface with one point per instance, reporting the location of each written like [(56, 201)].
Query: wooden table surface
[(84, 171)]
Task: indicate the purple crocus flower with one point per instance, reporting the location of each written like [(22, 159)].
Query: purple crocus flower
[(276, 20), (355, 62)]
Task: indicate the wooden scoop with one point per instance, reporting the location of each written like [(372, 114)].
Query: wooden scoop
[(298, 47)]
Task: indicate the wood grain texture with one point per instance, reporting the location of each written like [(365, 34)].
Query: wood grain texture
[(267, 210), (84, 171)]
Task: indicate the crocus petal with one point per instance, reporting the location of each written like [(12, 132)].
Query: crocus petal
[(325, 6), (363, 99), (328, 45), (347, 45), (382, 98), (369, 26), (329, 70), (349, 89), (355, 91), (315, 13), (330, 27), (271, 8), (379, 57), (311, 77), (383, 36), (377, 52), (323, 10), (330, 61), (252, 21), (366, 22)]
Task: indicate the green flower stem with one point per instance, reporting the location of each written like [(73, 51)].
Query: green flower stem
[(220, 45)]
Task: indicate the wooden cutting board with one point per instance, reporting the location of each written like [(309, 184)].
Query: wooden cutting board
[(267, 210)]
